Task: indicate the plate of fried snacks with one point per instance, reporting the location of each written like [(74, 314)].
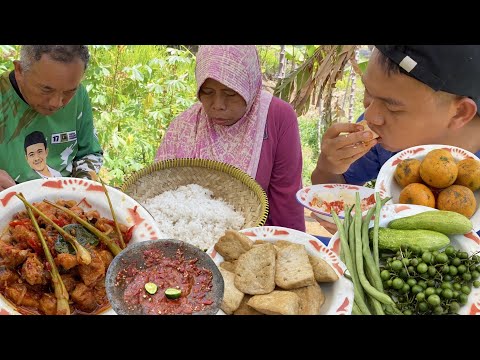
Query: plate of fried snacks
[(275, 270)]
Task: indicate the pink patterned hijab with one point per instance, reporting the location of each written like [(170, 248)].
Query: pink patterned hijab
[(193, 135)]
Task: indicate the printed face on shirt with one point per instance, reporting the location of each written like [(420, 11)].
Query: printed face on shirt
[(49, 85), (223, 105), (404, 111), (36, 155)]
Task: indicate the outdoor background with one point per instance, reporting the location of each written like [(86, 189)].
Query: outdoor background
[(136, 90)]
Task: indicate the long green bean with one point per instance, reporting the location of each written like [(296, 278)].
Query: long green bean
[(346, 223), (378, 206), (351, 238), (380, 296), (348, 261), (372, 272), (356, 310)]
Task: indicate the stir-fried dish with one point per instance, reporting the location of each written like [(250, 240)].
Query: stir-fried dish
[(25, 276)]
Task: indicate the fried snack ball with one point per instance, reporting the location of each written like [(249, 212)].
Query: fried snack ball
[(418, 194), (408, 172), (439, 169), (469, 174), (457, 198)]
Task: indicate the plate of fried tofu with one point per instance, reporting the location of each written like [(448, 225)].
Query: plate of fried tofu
[(272, 270)]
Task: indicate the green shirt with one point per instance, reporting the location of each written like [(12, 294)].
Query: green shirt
[(72, 144)]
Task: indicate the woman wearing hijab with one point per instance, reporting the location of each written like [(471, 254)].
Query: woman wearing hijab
[(238, 123)]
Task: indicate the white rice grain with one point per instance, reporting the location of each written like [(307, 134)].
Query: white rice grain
[(190, 214)]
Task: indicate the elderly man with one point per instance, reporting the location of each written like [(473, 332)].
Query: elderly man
[(44, 93)]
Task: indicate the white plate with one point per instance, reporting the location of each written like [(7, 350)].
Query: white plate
[(312, 195), (469, 242), (386, 184), (338, 294), (127, 210)]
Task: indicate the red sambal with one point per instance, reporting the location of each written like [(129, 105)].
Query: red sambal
[(195, 284)]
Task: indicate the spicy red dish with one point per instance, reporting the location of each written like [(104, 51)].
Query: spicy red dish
[(194, 283), (164, 277)]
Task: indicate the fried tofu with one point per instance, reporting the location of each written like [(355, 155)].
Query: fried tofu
[(255, 270), (293, 269), (322, 270), (232, 245), (276, 303), (311, 299), (245, 309), (229, 265), (232, 297)]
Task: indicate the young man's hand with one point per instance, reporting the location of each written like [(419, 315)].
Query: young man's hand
[(338, 152), (5, 180)]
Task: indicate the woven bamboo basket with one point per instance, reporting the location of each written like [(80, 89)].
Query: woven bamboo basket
[(226, 182)]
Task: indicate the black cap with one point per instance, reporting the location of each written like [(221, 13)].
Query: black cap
[(451, 68)]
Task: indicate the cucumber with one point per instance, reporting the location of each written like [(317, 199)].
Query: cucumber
[(424, 240), (446, 222)]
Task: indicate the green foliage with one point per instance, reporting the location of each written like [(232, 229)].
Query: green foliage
[(309, 141), (269, 59), (8, 53), (135, 92)]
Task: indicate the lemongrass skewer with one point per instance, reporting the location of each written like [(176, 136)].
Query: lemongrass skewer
[(114, 248), (61, 293), (82, 254), (122, 243)]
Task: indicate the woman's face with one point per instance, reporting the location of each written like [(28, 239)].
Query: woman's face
[(223, 105)]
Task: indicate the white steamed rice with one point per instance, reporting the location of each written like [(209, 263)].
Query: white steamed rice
[(190, 214)]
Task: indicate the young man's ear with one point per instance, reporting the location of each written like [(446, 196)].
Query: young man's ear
[(465, 110)]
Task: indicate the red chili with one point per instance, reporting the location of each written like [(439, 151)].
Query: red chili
[(33, 244), (19, 222), (60, 222)]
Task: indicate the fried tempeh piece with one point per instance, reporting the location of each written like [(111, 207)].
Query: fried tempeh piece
[(293, 269), (245, 309), (255, 271), (322, 270), (311, 299), (229, 265), (232, 245), (232, 297), (276, 303)]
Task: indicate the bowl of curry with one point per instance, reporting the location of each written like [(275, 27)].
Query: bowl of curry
[(45, 275), (164, 277)]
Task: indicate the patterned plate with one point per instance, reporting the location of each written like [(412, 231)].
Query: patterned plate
[(127, 210), (469, 242), (312, 197), (338, 295), (387, 186)]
